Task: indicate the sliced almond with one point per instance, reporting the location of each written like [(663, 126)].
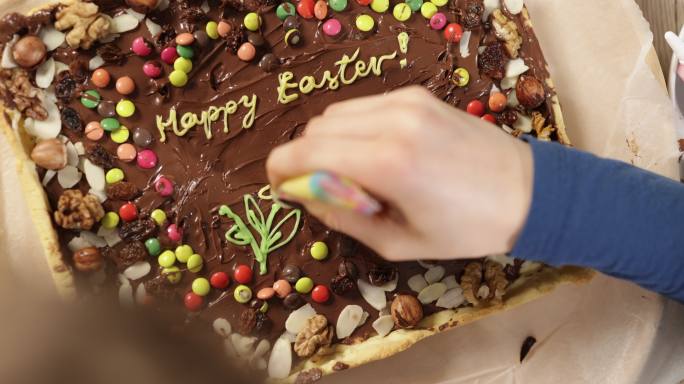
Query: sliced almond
[(425, 264), (229, 349), (349, 319), (72, 155), (140, 294), (137, 15), (516, 67), (95, 240), (289, 336), (261, 348), (490, 6), (205, 7), (463, 46), (390, 285), (513, 99), (49, 175), (153, 27), (417, 282), (434, 274), (45, 73), (280, 361), (7, 60), (51, 37), (68, 176), (451, 299), (524, 123), (431, 293), (95, 175), (450, 282), (529, 267), (80, 148), (126, 295), (77, 243), (297, 319), (244, 345), (111, 236), (222, 327), (375, 296), (259, 363), (514, 6), (50, 127), (96, 62), (383, 325), (138, 270), (123, 23), (502, 259)]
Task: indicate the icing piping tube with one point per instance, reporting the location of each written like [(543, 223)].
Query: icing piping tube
[(330, 189)]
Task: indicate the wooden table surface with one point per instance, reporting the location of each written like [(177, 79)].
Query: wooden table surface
[(664, 15)]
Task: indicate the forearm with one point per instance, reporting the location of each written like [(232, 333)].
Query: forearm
[(606, 215)]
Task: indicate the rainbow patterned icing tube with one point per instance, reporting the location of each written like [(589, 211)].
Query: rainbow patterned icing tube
[(330, 189)]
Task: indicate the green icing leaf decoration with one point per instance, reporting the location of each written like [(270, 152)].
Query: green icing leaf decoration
[(267, 229)]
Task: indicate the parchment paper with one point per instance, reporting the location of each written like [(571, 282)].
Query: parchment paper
[(608, 331)]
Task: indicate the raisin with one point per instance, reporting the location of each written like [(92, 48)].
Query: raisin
[(341, 284), (492, 60), (244, 5), (381, 274), (166, 36), (123, 190), (263, 323), (235, 38), (247, 321), (473, 14), (65, 87), (507, 117), (111, 54), (79, 70), (130, 253), (99, 156), (309, 376), (71, 119), (160, 288), (347, 268), (138, 229)]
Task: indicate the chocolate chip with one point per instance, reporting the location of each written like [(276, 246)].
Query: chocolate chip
[(290, 22), (269, 62), (293, 301), (340, 285), (340, 366), (507, 117), (309, 376), (347, 268), (291, 273), (71, 119), (201, 38), (526, 347), (256, 39), (142, 137), (381, 274), (106, 109)]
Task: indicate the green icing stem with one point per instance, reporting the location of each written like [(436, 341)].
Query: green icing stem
[(270, 235)]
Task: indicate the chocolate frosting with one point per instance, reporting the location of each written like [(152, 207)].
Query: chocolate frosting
[(208, 173)]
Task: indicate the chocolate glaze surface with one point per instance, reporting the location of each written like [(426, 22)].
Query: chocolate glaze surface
[(208, 173)]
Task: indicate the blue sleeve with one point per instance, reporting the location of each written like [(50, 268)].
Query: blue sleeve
[(606, 215)]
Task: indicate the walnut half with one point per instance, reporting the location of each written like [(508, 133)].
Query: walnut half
[(482, 286), (75, 211), (316, 336), (86, 23), (507, 31)]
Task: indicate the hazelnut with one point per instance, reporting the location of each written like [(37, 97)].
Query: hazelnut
[(142, 6), (50, 154), (88, 259), (530, 92), (407, 311), (29, 51)]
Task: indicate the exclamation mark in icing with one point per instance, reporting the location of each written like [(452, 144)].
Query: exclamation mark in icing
[(403, 39)]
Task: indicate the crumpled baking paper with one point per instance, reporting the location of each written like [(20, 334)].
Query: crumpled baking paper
[(607, 331)]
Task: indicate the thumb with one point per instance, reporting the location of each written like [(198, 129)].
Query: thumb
[(380, 233)]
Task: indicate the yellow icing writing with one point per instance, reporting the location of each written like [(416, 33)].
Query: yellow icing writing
[(207, 117), (308, 83)]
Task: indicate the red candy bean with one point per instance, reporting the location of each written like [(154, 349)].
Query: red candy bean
[(128, 212), (242, 274), (219, 280), (453, 32), (490, 118), (320, 294), (193, 302), (169, 55), (476, 108), (305, 8)]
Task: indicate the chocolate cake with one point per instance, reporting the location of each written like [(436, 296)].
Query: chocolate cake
[(147, 124)]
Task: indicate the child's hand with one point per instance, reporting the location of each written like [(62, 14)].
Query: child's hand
[(455, 186)]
